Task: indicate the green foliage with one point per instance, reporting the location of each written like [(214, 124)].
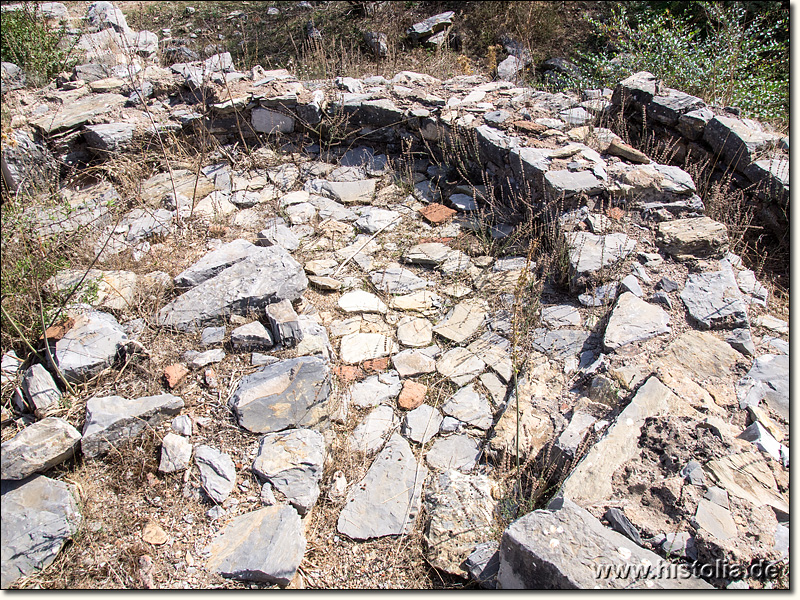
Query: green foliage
[(731, 57), (38, 49)]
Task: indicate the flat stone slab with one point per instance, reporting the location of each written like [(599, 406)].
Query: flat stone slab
[(699, 237), (634, 320), (74, 114), (38, 516), (251, 337), (374, 220), (264, 276), (565, 184), (40, 390), (217, 472), (374, 390), (264, 545), (215, 262), (714, 300), (429, 254), (369, 435), (460, 365), (111, 420), (397, 280), (461, 514), (91, 345), (738, 143), (462, 322), (716, 520), (358, 347), (470, 407), (359, 301), (589, 253), (292, 462), (416, 332), (387, 500), (414, 362), (564, 548), (422, 424), (346, 192), (288, 393), (562, 343), (38, 447), (562, 315), (458, 451)]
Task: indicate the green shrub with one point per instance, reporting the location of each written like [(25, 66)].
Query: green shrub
[(38, 49), (728, 58)]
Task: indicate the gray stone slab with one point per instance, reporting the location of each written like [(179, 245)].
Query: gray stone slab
[(422, 424), (470, 407), (40, 390), (358, 347), (736, 142), (460, 365), (38, 516), (565, 547), (387, 500), (38, 447), (250, 337), (562, 343), (292, 462), (264, 545), (265, 276), (215, 262), (111, 420), (458, 451), (396, 280), (288, 393), (768, 380), (176, 453), (634, 320), (589, 253), (370, 434), (91, 345), (714, 301), (699, 237), (77, 113), (376, 389), (217, 472)]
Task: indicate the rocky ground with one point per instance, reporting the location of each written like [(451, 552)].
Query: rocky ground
[(312, 328)]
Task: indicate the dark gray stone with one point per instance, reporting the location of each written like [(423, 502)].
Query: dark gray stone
[(639, 88), (13, 78), (667, 285), (284, 323), (264, 545), (483, 564), (429, 26), (109, 137), (26, 163), (289, 393), (39, 515), (562, 548), (668, 107), (250, 337), (768, 380), (560, 344), (217, 472), (741, 340), (265, 276), (714, 301), (738, 144), (621, 524), (112, 420)]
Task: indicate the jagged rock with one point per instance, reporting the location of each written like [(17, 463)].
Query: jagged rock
[(264, 545), (621, 524), (109, 137), (369, 435), (470, 407), (736, 142), (284, 323), (91, 345), (429, 26), (217, 472), (346, 192), (39, 515), (176, 453), (562, 548), (639, 88), (741, 340), (461, 514), (264, 276), (747, 476), (13, 77), (114, 290), (668, 107), (269, 121), (374, 220), (768, 380), (80, 112), (250, 337), (693, 123), (209, 357), (422, 424), (429, 254), (771, 177), (387, 500), (288, 393), (699, 237), (26, 162), (292, 461), (377, 42), (458, 451), (764, 441), (112, 420), (40, 390), (634, 320), (507, 70), (276, 233), (591, 480), (38, 447), (755, 292), (714, 301)]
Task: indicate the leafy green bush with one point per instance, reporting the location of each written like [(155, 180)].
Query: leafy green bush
[(729, 58), (30, 43)]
